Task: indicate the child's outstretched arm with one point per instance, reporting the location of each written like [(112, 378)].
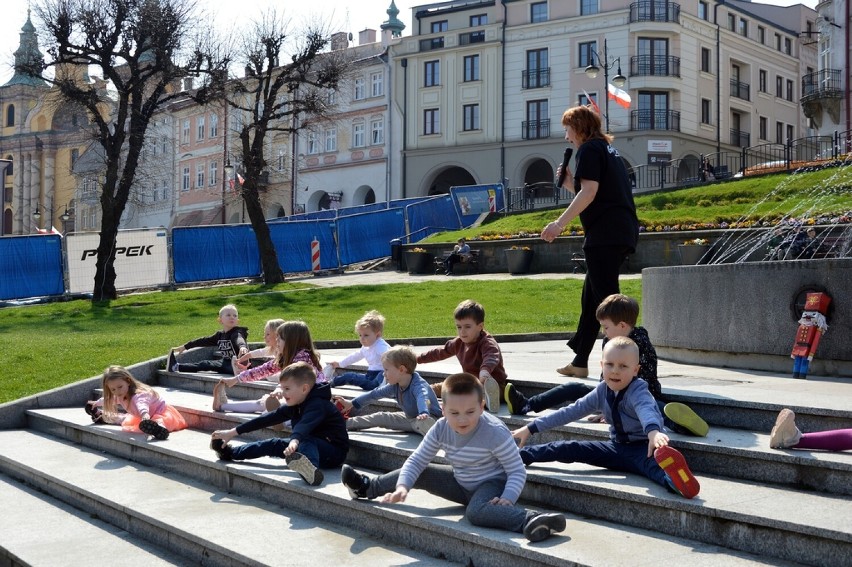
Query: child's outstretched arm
[(398, 495), (656, 439), (522, 435), (225, 434)]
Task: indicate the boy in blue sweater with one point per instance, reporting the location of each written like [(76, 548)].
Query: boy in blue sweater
[(420, 407), (486, 474), (636, 427)]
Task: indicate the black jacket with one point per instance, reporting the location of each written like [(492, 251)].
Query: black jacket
[(227, 344)]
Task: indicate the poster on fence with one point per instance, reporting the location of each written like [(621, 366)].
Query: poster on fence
[(141, 259), (474, 200)]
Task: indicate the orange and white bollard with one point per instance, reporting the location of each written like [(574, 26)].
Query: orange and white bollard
[(315, 256)]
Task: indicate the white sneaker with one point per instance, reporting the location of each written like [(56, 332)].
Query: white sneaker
[(492, 395), (299, 463), (785, 434)]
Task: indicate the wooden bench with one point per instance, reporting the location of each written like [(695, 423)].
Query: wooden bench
[(470, 263)]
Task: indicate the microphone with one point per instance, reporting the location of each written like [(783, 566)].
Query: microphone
[(565, 159)]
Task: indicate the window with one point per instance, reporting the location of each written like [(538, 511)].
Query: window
[(184, 135), (761, 35), (705, 59), (478, 20), (788, 46), (778, 42), (165, 143), (779, 86), (588, 7), (789, 131), (282, 160), (431, 74), (214, 125), (743, 29), (703, 11), (185, 183), (438, 27), (75, 154), (764, 127), (471, 117), (330, 97), (789, 90), (199, 128), (377, 131), (431, 121), (653, 113), (214, 173), (377, 84), (585, 52), (471, 68), (761, 81), (331, 139), (537, 125), (358, 133), (199, 175), (360, 92), (313, 146), (10, 115), (706, 116), (165, 189), (584, 100), (537, 74), (779, 132), (732, 22), (538, 12)]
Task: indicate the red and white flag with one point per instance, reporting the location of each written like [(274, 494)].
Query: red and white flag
[(619, 96), (592, 102), (240, 179)]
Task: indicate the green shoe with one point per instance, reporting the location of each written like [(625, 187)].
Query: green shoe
[(682, 415)]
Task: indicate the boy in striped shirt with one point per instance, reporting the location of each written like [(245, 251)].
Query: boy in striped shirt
[(485, 474)]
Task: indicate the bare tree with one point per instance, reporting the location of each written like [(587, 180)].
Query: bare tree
[(142, 48), (271, 98)]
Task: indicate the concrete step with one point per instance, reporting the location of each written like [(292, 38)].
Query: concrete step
[(75, 538), (204, 525), (424, 523), (734, 453), (769, 521)]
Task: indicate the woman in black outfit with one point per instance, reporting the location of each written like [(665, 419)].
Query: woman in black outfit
[(604, 203)]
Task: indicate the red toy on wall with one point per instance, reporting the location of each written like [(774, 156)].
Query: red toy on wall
[(811, 327)]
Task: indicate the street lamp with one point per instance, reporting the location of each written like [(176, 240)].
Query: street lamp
[(36, 214), (229, 171), (618, 81)]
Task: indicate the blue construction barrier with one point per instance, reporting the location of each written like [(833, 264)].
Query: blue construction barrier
[(31, 266), (433, 215), (204, 253), (293, 244), (367, 236)]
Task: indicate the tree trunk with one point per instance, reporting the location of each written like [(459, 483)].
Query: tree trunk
[(104, 288), (269, 266)]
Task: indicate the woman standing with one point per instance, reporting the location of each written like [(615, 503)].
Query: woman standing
[(604, 203)]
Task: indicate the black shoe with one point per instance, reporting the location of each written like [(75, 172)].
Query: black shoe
[(224, 451), (306, 469), (356, 483), (151, 427), (543, 526), (95, 413), (516, 401), (171, 362)]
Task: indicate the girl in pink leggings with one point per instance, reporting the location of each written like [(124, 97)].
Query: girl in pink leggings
[(785, 435)]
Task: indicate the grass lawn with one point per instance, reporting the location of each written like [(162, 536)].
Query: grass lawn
[(59, 343)]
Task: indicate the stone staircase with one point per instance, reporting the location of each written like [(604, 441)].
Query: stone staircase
[(172, 502)]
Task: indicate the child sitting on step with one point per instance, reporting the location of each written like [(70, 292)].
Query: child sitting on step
[(485, 473), (229, 342), (145, 410), (617, 315), (420, 407), (318, 439), (369, 329), (785, 435), (263, 354), (294, 344), (636, 427)]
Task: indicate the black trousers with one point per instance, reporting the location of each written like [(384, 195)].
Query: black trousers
[(602, 266)]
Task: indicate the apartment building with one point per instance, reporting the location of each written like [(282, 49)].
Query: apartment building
[(702, 77), (826, 92)]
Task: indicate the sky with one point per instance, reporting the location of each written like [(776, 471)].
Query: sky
[(342, 15)]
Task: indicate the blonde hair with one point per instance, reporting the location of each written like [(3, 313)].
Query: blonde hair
[(296, 337), (401, 356), (272, 327), (229, 306), (622, 343), (374, 320), (116, 372)]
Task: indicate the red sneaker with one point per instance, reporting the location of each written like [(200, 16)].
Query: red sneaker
[(680, 477)]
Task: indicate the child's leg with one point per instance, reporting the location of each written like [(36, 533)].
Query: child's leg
[(833, 440), (435, 479), (597, 453), (395, 420), (221, 366), (568, 392), (273, 447), (248, 406), (363, 381), (481, 512), (321, 453)]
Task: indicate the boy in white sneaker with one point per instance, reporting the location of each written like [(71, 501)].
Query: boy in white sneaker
[(369, 328), (486, 474)]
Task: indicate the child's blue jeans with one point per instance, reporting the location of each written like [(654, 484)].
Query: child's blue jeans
[(318, 451), (370, 380)]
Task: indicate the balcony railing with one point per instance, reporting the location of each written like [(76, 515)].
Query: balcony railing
[(740, 89), (655, 120), (655, 65), (535, 78), (432, 43), (740, 139), (535, 129), (654, 11), (471, 37), (824, 83)]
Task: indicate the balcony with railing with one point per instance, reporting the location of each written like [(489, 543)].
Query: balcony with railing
[(655, 120), (740, 138), (825, 83), (654, 11), (432, 43), (740, 90), (471, 37), (655, 66), (535, 129), (535, 78)]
